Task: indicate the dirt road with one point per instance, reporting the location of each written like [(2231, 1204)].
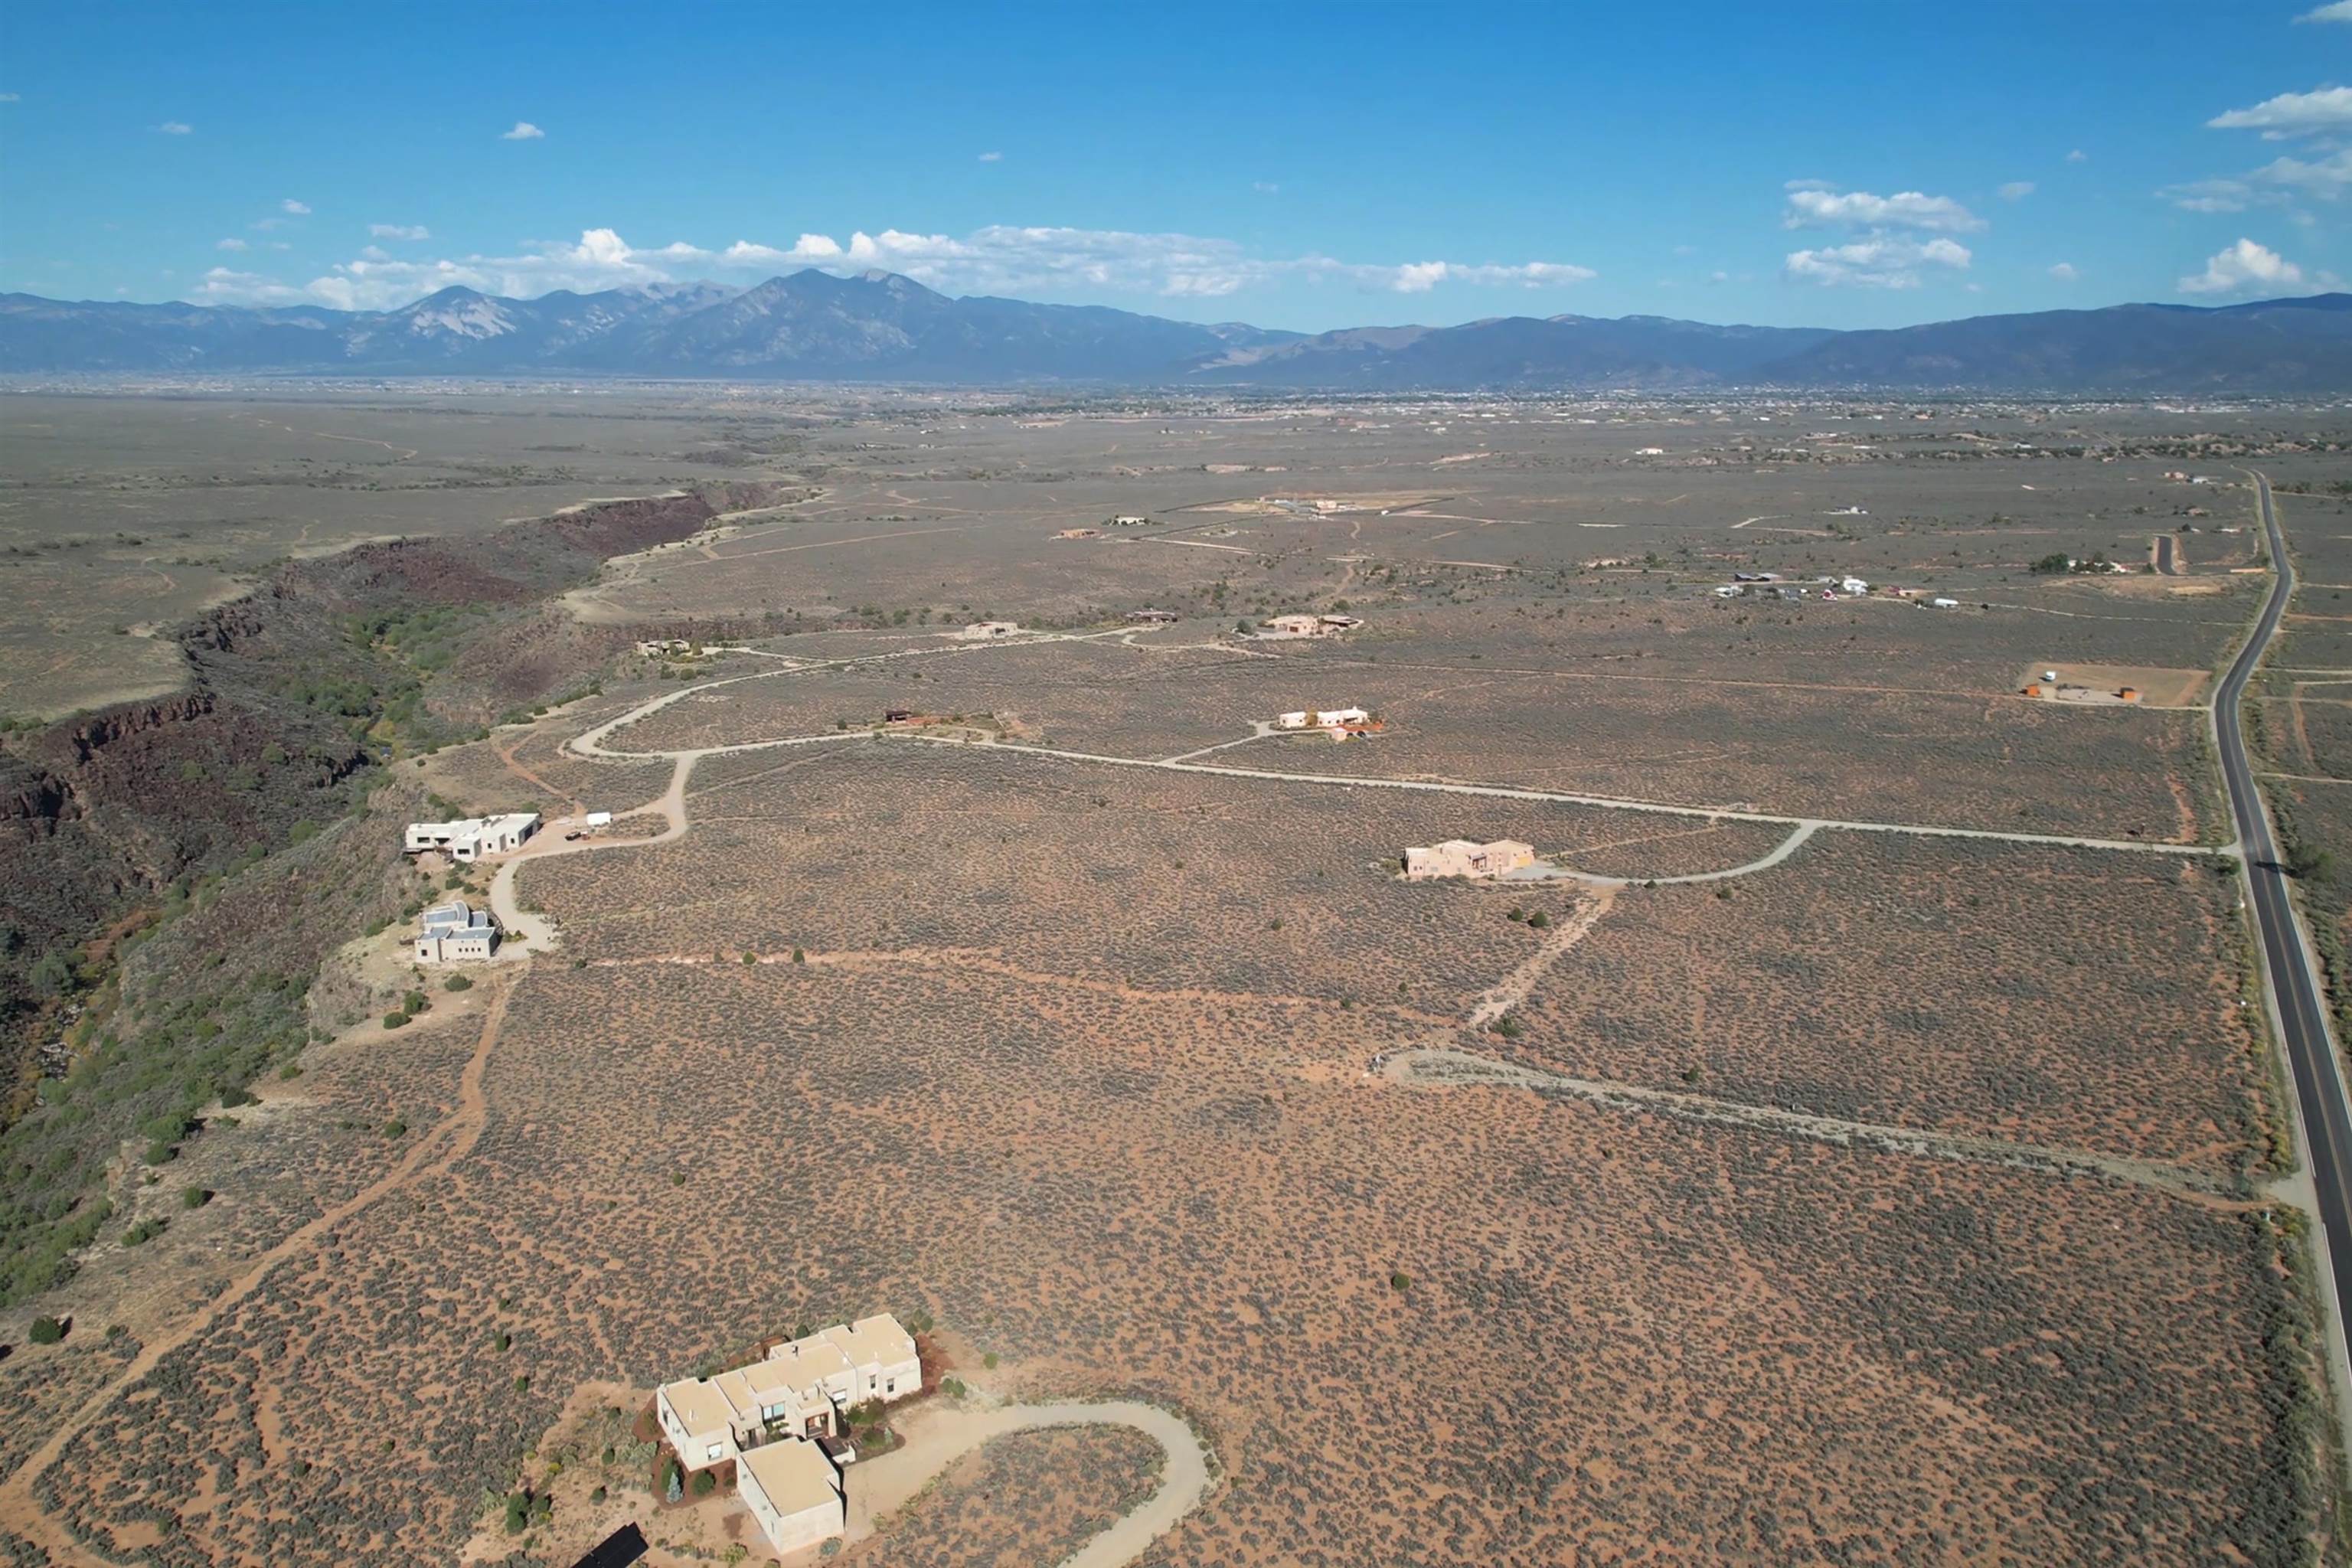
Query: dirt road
[(943, 1432)]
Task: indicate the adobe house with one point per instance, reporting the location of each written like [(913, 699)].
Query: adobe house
[(799, 1389), (457, 932), (1462, 858), (796, 1394), (469, 838)]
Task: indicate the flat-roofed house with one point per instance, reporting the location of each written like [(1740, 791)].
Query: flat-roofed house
[(699, 1420), (767, 1416), (800, 1389), (455, 932), (884, 1363), (1320, 718), (794, 1492), (1463, 857), (471, 837)]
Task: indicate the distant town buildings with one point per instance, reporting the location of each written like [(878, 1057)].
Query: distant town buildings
[(1462, 858), (1154, 618), (469, 838), (1125, 520), (1079, 533), (657, 647), (781, 1419), (457, 932), (981, 631)]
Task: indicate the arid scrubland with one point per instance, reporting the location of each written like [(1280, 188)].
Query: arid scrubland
[(1081, 1056)]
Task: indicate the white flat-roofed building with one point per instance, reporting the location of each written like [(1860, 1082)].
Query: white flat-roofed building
[(455, 932), (1320, 718), (793, 1491), (471, 837), (800, 1389)]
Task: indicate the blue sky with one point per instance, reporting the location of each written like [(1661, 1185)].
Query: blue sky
[(1295, 165)]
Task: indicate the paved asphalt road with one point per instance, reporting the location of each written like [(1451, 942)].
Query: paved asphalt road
[(2287, 962)]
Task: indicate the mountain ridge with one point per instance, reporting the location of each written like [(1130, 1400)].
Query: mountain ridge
[(874, 326)]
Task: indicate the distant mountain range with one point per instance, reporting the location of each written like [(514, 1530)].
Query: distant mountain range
[(877, 326)]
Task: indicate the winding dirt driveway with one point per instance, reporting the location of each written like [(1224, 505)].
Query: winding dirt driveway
[(942, 1433)]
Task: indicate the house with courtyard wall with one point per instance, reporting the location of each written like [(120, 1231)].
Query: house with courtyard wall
[(770, 1417), (471, 837), (457, 932), (1464, 857), (800, 1389)]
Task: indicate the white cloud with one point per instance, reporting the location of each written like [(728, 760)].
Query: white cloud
[(2244, 265), (221, 286), (2210, 195), (11, 97), (399, 231), (176, 128), (1814, 204), (232, 245), (2078, 156), (2335, 11), (1000, 258), (1265, 187), (2016, 190), (991, 157), (2291, 114), (2064, 272), (524, 131), (299, 209), (2326, 178), (1881, 261)]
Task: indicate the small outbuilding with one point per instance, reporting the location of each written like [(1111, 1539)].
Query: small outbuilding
[(795, 1493)]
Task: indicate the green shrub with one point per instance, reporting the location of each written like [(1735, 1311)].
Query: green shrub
[(194, 1197), (1399, 1280), (705, 1483), (396, 1020), (47, 1330), (146, 1230), (457, 983)]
